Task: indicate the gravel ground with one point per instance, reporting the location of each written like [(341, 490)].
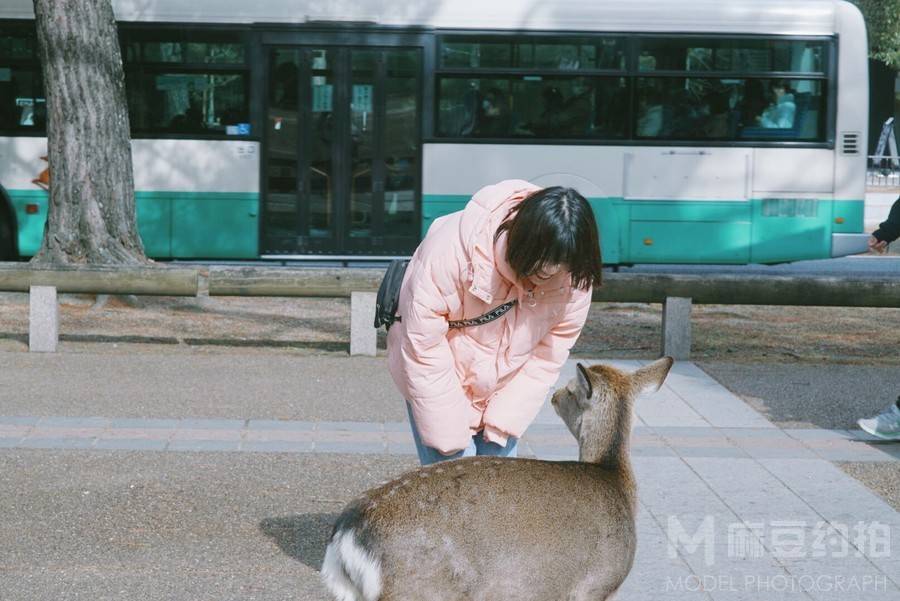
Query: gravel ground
[(883, 479)]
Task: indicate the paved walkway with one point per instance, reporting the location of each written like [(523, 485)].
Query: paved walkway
[(691, 416), (731, 507)]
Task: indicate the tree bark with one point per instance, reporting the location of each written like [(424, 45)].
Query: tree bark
[(91, 218)]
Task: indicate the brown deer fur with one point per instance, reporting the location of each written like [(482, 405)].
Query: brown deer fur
[(498, 528)]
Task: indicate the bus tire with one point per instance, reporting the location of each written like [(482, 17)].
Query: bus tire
[(8, 250)]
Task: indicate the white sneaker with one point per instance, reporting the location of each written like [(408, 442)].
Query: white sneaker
[(886, 425)]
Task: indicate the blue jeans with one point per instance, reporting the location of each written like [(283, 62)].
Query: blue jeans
[(477, 446)]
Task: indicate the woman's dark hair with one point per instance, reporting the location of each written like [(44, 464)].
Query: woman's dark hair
[(785, 84), (553, 226)]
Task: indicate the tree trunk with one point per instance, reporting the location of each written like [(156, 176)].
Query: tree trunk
[(91, 218)]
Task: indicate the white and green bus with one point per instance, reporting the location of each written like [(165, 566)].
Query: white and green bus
[(713, 131)]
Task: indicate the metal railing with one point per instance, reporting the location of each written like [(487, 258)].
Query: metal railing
[(883, 172)]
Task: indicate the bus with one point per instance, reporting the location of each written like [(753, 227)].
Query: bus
[(702, 131)]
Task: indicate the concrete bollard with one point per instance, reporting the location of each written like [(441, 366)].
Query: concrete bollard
[(676, 327), (43, 319), (363, 335)]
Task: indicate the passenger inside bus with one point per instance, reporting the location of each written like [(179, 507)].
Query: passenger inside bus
[(563, 116), (546, 124), (718, 121), (493, 116), (461, 118), (753, 102), (575, 118), (780, 113), (650, 114)]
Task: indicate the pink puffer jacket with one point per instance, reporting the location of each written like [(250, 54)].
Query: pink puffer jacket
[(494, 376)]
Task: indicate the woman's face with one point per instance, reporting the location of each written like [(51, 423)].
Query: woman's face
[(546, 272)]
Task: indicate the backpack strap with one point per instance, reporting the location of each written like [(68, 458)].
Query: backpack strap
[(388, 299), (492, 315)]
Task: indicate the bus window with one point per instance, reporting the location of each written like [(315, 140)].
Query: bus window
[(187, 52), (685, 88), (533, 107), (173, 89), (18, 42), (744, 55), (476, 54), (22, 104), (568, 54), (730, 109), (187, 102), (792, 109)]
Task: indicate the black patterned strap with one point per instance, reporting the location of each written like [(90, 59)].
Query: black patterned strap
[(488, 317)]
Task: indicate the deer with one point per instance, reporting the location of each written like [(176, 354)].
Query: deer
[(497, 529)]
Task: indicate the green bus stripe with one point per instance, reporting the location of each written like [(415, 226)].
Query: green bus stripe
[(215, 225), (668, 231)]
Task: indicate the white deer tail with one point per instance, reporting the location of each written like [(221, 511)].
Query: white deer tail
[(350, 571)]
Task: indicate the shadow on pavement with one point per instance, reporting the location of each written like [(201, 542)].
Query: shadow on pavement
[(302, 537)]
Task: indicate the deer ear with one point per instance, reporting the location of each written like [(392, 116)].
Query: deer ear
[(584, 381), (651, 377)]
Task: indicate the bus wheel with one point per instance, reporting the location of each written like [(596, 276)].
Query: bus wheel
[(7, 248)]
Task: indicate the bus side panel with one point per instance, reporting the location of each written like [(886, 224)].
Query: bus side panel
[(152, 217), (31, 224), (595, 171), (156, 213), (194, 198), (438, 205), (194, 236), (200, 197), (611, 214), (689, 232), (21, 166), (793, 204), (852, 105), (849, 216), (687, 205), (791, 229), (215, 226), (154, 220)]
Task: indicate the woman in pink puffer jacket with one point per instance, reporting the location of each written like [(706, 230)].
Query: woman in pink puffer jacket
[(474, 390)]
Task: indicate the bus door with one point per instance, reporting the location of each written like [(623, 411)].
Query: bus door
[(341, 166)]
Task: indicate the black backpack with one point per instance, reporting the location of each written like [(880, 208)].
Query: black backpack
[(389, 294)]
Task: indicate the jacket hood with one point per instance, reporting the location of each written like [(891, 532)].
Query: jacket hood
[(480, 220), (488, 268)]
